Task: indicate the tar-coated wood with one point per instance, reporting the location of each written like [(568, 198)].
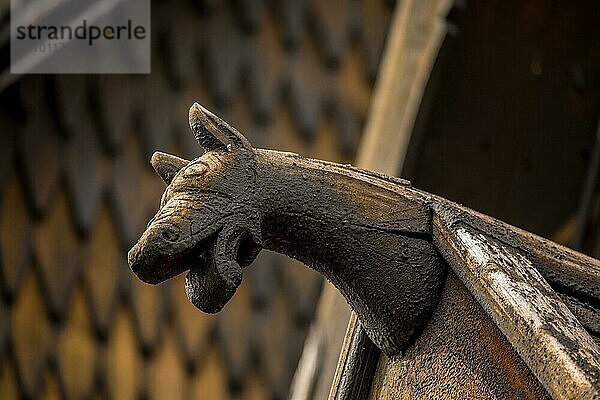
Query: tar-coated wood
[(368, 234), (375, 238)]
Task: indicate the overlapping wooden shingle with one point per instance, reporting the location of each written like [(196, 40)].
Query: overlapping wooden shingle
[(210, 378), (250, 14), (348, 125), (72, 93), (57, 256), (133, 184), (9, 387), (236, 318), (116, 105), (292, 16), (264, 76), (179, 37), (15, 237), (305, 90), (4, 330), (32, 337), (301, 288), (83, 172), (166, 374), (103, 264), (271, 332), (192, 329), (263, 277), (76, 351), (331, 26), (223, 58), (7, 149), (76, 190), (148, 310), (156, 128), (51, 387), (375, 21), (122, 369), (40, 148)]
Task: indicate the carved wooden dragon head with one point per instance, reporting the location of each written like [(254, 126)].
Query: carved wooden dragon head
[(206, 222), (377, 239), (369, 235)]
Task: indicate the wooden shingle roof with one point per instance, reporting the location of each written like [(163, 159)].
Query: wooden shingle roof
[(76, 189)]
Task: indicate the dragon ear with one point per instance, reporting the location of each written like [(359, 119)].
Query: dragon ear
[(213, 133), (167, 165)]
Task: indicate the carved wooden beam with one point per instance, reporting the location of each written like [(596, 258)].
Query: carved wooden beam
[(381, 242)]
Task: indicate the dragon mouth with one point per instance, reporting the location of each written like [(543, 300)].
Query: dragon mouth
[(159, 268), (211, 281), (214, 268)]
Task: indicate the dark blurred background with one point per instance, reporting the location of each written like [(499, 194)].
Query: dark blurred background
[(507, 126)]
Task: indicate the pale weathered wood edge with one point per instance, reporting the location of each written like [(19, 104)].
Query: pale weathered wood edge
[(560, 265), (357, 364), (544, 332)]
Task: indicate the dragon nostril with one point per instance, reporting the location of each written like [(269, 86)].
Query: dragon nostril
[(170, 234)]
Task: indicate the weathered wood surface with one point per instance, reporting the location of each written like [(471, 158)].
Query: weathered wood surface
[(376, 239), (358, 361), (416, 34), (370, 235), (568, 272), (506, 282), (460, 355)]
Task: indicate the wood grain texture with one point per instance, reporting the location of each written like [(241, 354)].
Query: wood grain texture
[(461, 354), (367, 233), (417, 31), (539, 325), (370, 235), (359, 356)]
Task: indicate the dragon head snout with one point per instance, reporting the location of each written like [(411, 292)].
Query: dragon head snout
[(205, 223), (148, 258)]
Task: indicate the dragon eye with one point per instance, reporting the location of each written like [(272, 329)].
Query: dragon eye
[(170, 234), (196, 169)]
